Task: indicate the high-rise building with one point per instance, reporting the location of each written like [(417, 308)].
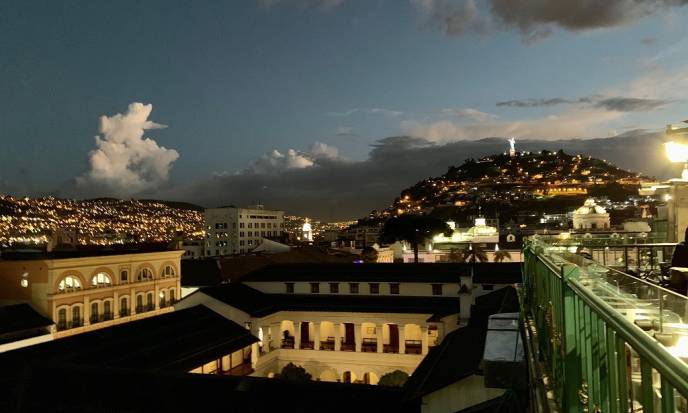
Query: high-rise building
[(231, 230)]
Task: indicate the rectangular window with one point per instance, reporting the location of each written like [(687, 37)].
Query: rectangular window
[(290, 288), (241, 225), (374, 288), (436, 289), (241, 233), (124, 276), (334, 288), (353, 288), (250, 233), (315, 288), (394, 288)]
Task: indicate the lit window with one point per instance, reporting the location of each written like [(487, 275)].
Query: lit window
[(69, 283), (168, 271), (145, 274), (101, 280)]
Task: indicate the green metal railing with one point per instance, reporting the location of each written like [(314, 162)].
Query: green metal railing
[(606, 341)]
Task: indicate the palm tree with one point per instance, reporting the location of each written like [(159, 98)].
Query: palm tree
[(474, 254), (500, 256), (413, 229)]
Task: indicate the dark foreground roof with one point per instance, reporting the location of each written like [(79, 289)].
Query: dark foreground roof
[(82, 251), (201, 272), (18, 318), (407, 272), (460, 353), (88, 389), (259, 304), (176, 341)]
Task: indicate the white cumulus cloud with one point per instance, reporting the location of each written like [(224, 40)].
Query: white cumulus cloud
[(124, 161), (275, 162)]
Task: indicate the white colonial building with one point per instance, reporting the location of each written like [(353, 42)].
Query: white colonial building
[(351, 322), (590, 217)]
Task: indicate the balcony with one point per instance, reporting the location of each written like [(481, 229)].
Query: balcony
[(124, 312), (140, 309), (347, 346), (94, 319), (75, 323), (414, 346), (390, 348), (288, 342), (328, 344), (307, 345), (106, 316), (597, 301), (369, 345), (150, 307)]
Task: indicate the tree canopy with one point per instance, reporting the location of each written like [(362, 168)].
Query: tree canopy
[(397, 378), (292, 372), (412, 228)]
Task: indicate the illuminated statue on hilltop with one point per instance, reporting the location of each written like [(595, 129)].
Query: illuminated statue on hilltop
[(512, 149), (307, 231)]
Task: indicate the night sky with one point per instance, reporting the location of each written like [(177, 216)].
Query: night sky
[(317, 106)]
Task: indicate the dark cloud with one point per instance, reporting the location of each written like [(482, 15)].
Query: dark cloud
[(533, 103), (621, 104), (339, 189), (618, 103), (536, 18)]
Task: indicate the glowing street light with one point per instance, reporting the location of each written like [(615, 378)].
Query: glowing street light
[(678, 152)]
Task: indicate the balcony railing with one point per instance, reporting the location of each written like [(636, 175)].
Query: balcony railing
[(107, 316), (75, 323), (124, 312), (369, 345), (140, 309), (390, 348), (599, 339), (94, 318), (328, 344), (307, 345), (414, 346), (288, 342)]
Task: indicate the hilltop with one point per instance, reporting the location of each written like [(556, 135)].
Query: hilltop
[(504, 185)]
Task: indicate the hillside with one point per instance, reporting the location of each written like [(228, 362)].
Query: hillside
[(503, 185)]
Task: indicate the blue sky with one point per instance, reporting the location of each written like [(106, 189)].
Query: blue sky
[(236, 80)]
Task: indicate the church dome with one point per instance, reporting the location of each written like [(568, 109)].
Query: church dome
[(590, 207)]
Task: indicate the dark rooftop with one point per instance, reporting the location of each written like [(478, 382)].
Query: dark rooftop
[(52, 388), (201, 272), (176, 341), (235, 268), (407, 272), (82, 251), (461, 351), (259, 304), (16, 319)]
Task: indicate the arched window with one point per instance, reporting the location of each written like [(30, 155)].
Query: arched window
[(94, 313), (101, 280), (123, 307), (149, 301), (145, 275), (69, 283), (139, 303), (172, 296), (163, 302), (76, 317), (62, 319), (168, 271), (107, 310)]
